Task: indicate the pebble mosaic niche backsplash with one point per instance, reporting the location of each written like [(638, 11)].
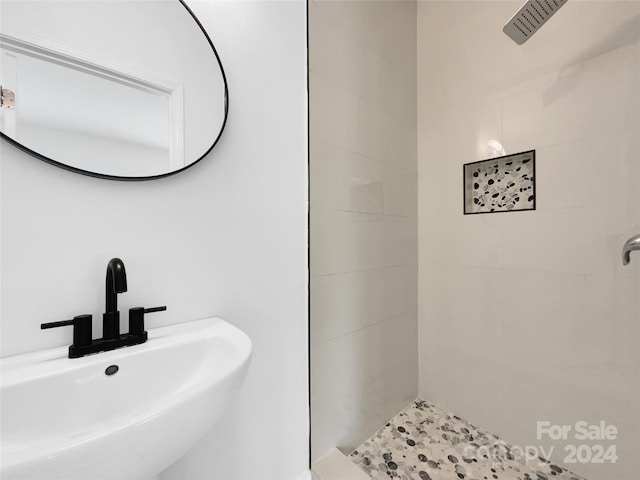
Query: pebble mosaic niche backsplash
[(424, 442), (503, 184)]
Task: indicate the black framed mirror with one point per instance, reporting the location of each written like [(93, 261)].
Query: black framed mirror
[(115, 89)]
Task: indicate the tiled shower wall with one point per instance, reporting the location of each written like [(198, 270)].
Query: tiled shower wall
[(530, 316), (363, 236)]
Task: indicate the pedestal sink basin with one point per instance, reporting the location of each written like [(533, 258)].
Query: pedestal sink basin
[(68, 419)]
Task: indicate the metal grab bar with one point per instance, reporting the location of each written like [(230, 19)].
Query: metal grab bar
[(632, 244)]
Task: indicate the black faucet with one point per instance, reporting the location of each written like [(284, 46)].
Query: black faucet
[(83, 344), (116, 283)]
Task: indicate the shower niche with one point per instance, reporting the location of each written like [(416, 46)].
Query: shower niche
[(502, 184)]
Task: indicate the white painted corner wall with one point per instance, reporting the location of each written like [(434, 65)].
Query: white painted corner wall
[(227, 237)]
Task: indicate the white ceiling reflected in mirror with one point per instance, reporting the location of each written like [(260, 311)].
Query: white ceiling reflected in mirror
[(121, 89)]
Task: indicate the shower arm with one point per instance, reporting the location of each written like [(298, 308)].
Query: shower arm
[(632, 244)]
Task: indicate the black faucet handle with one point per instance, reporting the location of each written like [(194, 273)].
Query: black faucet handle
[(136, 318), (82, 328), (62, 323), (155, 309)]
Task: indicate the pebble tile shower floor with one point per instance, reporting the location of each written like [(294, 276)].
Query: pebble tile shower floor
[(423, 442)]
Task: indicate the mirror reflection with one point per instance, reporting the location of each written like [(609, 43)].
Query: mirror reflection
[(120, 89)]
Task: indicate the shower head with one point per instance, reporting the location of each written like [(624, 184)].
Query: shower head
[(532, 15)]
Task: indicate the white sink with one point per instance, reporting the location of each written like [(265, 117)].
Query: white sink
[(67, 419)]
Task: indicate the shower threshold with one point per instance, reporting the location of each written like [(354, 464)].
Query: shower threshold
[(424, 442)]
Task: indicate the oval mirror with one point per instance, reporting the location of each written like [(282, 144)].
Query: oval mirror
[(118, 89)]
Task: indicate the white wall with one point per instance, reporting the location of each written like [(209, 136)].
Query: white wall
[(531, 316), (363, 217), (227, 237)]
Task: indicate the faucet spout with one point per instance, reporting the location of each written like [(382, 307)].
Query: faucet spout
[(116, 283), (632, 244)]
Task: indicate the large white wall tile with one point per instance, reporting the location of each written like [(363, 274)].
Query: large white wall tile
[(601, 98), (346, 302), (610, 27), (479, 59), (386, 138), (348, 181), (328, 102), (371, 56), (346, 241), (456, 135), (360, 380)]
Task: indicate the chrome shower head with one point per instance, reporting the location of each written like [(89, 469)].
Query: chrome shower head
[(532, 15)]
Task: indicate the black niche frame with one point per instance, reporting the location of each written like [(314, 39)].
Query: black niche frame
[(64, 166), (503, 159)]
